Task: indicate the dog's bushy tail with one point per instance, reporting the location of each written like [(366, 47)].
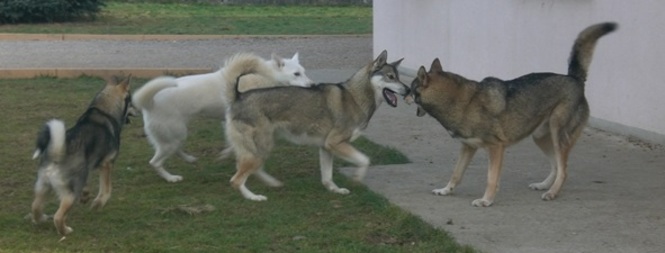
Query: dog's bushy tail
[(142, 99), (242, 64), (51, 141), (580, 57)]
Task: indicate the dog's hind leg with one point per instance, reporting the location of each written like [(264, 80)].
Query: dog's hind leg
[(163, 152), (463, 161), (493, 176), (561, 156), (267, 178), (85, 195), (41, 190), (561, 152), (566, 126), (543, 139), (105, 186), (246, 166), (187, 157), (66, 201), (350, 154), (326, 163), (228, 151)]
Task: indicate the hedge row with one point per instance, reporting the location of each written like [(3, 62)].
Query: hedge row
[(36, 11)]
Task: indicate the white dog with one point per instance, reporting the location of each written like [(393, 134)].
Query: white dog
[(168, 103)]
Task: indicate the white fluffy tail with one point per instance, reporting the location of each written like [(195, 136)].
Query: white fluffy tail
[(242, 64), (142, 99), (51, 140)]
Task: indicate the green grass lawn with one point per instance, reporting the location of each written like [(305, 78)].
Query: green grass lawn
[(173, 18), (147, 214)]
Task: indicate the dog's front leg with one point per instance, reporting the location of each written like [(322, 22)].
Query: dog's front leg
[(463, 161), (326, 163), (493, 175)]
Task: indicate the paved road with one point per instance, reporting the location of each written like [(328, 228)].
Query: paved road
[(334, 52), (612, 201)]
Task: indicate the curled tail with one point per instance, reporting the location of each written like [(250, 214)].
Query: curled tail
[(51, 140), (241, 64), (580, 57), (142, 99)]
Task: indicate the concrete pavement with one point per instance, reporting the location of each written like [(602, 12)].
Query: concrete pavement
[(611, 201), (151, 56)]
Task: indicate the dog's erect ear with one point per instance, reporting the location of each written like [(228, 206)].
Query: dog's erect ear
[(380, 60), (279, 61), (422, 76), (436, 66), (295, 58), (396, 63), (124, 84)]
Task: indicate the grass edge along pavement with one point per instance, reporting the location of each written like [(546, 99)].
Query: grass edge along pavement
[(202, 19), (133, 19), (147, 214)]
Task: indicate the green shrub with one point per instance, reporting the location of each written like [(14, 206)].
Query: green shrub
[(37, 11)]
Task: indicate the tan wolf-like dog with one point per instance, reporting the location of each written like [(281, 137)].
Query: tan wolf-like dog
[(493, 114), (329, 116), (67, 156)]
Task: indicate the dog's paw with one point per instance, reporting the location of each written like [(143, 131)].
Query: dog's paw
[(481, 203), (342, 191), (332, 187), (548, 196), (41, 218), (97, 204), (268, 179), (538, 186), (257, 198), (67, 230), (173, 178), (226, 153), (189, 158), (443, 191), (275, 183)]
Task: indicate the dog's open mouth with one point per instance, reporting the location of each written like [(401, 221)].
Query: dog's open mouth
[(390, 97), (420, 112)]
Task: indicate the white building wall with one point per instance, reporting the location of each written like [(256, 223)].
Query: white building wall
[(509, 38)]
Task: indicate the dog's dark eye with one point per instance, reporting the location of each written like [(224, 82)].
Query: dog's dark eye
[(296, 74), (391, 77)]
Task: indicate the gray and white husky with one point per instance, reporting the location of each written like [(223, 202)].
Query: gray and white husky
[(168, 104), (329, 116)]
